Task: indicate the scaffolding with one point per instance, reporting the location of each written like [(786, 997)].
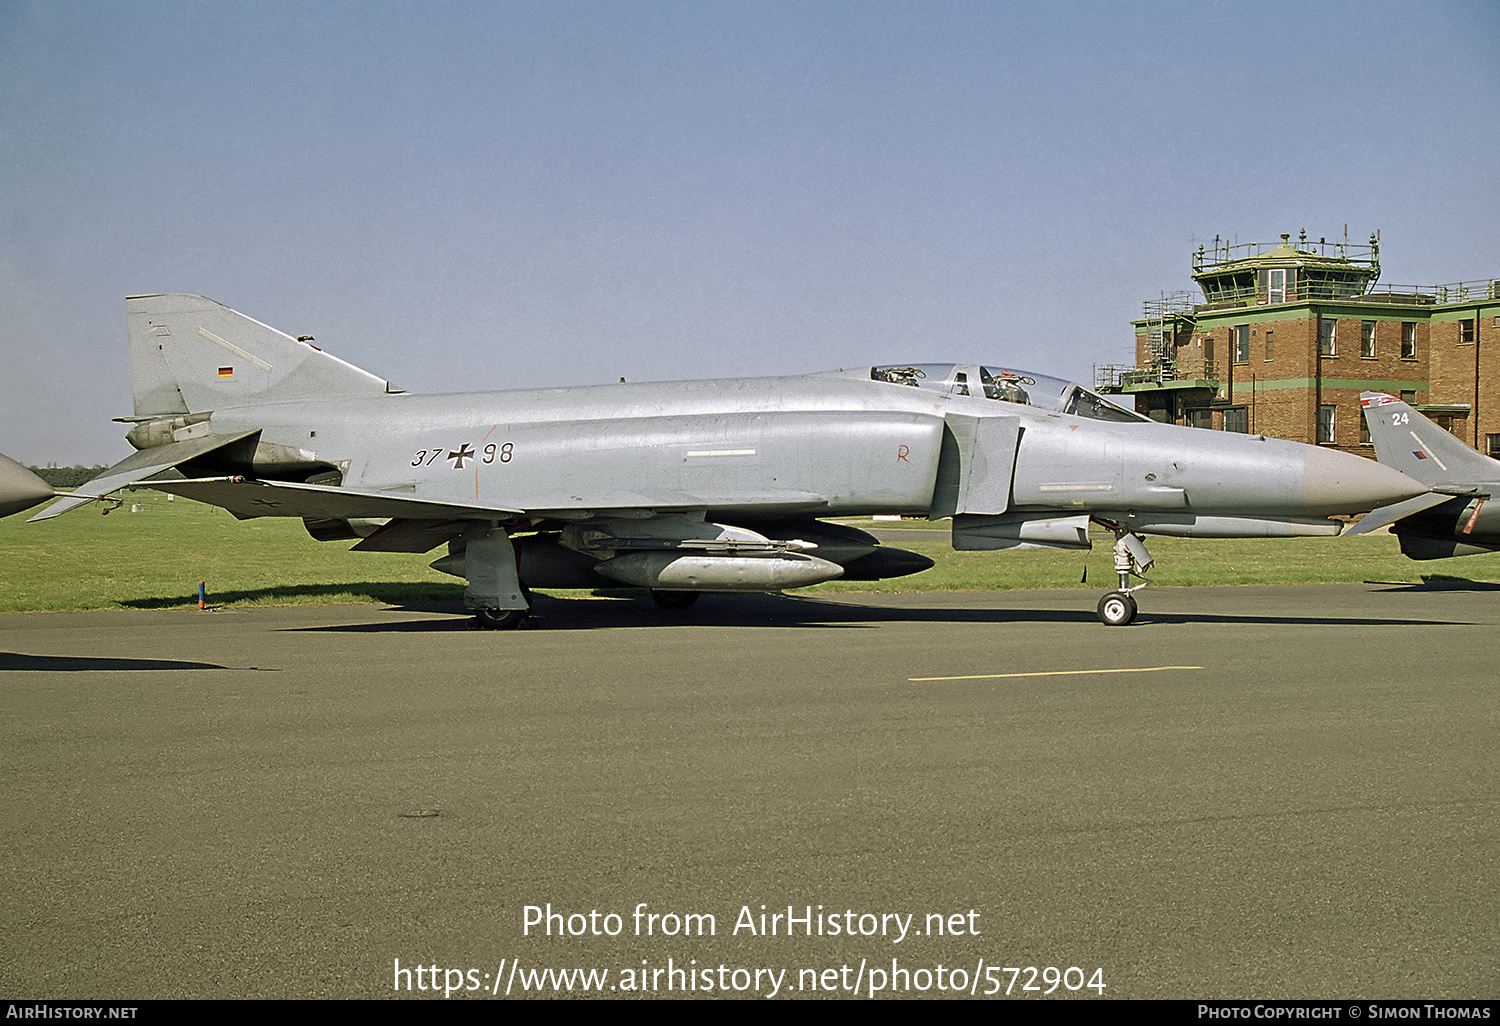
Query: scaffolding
[(1165, 317)]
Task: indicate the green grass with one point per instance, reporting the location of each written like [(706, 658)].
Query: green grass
[(155, 558)]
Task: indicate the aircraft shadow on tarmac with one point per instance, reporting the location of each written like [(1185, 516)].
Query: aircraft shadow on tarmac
[(775, 610), (1439, 583), (56, 664), (393, 592)]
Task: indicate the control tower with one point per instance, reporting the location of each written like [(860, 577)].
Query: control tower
[(1285, 336)]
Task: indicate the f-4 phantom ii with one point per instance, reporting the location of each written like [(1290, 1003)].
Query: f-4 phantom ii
[(1456, 519), (691, 486)]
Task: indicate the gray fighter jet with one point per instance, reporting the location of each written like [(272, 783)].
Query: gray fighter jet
[(20, 488), (691, 486), (1455, 519)]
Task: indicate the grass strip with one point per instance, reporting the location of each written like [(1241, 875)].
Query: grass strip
[(154, 558)]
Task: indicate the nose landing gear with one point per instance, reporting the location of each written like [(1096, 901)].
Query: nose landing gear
[(1118, 608)]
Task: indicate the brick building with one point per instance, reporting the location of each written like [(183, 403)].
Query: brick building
[(1286, 337)]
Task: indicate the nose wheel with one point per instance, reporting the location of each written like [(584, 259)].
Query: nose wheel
[(1117, 609)]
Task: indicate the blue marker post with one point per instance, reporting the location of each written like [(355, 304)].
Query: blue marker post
[(202, 597)]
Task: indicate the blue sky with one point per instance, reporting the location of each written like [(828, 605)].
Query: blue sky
[(497, 195)]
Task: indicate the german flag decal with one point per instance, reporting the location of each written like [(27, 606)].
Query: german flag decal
[(226, 372)]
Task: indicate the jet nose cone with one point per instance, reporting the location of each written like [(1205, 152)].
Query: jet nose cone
[(1336, 482), (20, 488)]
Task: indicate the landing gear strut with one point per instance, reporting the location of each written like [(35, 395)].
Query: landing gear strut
[(1118, 608), (495, 592)]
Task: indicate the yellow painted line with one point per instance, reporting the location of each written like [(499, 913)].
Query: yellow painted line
[(1053, 673)]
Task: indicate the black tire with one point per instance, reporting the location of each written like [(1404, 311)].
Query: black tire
[(674, 600), (498, 619), (1116, 609)]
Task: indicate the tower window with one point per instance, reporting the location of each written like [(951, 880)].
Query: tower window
[(1327, 336)]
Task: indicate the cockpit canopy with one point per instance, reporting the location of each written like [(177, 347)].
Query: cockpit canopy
[(1005, 385)]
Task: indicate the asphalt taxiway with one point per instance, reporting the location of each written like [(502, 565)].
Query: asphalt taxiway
[(1287, 792)]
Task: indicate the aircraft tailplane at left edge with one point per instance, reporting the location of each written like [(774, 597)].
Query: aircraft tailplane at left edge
[(20, 488)]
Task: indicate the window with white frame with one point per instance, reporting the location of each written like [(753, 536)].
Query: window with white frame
[(1327, 336), (1276, 293)]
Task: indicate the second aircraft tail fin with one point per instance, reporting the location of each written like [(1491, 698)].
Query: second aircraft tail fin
[(1414, 445)]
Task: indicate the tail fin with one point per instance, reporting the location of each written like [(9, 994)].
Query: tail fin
[(1414, 445), (189, 354)]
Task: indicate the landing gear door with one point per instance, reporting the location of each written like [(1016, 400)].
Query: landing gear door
[(976, 464)]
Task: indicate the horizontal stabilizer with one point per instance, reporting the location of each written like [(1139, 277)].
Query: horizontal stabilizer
[(248, 499), (137, 467), (1386, 515)]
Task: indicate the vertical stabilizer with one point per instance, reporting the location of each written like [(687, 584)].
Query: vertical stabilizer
[(1414, 445), (189, 354)]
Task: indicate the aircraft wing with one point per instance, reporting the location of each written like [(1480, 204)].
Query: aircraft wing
[(248, 499), (138, 466)]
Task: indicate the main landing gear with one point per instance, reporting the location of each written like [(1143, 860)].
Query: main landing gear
[(495, 592), (498, 619), (1118, 608)]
